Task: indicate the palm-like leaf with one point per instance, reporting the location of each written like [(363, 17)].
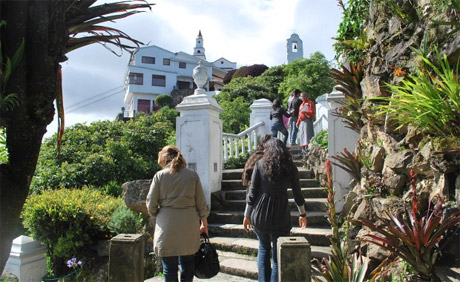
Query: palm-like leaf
[(83, 27)]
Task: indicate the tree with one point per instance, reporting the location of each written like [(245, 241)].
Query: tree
[(49, 30), (310, 75)]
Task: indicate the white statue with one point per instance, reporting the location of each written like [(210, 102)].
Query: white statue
[(200, 76)]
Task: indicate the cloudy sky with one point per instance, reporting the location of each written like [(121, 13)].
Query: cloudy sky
[(243, 31)]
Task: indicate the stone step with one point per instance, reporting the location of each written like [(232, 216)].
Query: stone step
[(235, 184), (311, 192), (316, 236), (250, 247), (235, 174), (318, 205), (314, 219), (237, 264)]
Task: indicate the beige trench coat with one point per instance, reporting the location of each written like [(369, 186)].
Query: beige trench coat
[(178, 203)]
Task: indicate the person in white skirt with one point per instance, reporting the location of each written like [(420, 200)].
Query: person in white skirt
[(305, 121)]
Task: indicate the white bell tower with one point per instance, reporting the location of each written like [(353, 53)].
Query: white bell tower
[(294, 48), (198, 51)]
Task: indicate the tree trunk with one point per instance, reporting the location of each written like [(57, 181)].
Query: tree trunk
[(41, 24)]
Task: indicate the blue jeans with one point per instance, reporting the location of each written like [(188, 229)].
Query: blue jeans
[(279, 127), (294, 130), (171, 266), (267, 245)]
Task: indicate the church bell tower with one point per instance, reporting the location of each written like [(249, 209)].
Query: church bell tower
[(198, 51), (294, 48)]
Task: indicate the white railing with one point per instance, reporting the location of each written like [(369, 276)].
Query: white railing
[(320, 124), (246, 141)]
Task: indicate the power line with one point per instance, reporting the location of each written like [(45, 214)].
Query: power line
[(103, 98), (77, 104)]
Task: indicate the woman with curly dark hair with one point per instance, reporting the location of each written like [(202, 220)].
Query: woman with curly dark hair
[(267, 205)]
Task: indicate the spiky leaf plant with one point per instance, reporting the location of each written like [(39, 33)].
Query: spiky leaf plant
[(429, 100), (414, 238), (348, 80)]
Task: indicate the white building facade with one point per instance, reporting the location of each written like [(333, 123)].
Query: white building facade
[(153, 71)]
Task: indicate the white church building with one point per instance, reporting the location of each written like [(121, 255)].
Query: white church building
[(153, 70)]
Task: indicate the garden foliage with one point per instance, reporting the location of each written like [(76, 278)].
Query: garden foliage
[(69, 222), (428, 100), (104, 152), (351, 38), (414, 238)]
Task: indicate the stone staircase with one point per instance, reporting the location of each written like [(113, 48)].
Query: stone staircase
[(238, 249)]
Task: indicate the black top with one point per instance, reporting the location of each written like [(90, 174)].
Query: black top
[(278, 114), (269, 200), (293, 106)]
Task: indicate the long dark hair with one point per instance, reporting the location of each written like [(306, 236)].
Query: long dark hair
[(276, 104), (277, 159)]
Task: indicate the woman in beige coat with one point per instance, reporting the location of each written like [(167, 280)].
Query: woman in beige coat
[(177, 201)]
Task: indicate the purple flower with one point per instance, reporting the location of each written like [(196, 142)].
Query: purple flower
[(73, 263)]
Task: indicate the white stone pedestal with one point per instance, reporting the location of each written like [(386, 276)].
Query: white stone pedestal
[(339, 137), (199, 137), (260, 111), (27, 259)]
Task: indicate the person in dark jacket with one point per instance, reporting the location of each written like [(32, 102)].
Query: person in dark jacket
[(276, 114), (293, 105), (250, 163), (267, 205)]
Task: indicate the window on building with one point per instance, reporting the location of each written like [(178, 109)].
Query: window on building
[(221, 62), (166, 62), (158, 80), (198, 51), (143, 105), (182, 65), (183, 85), (136, 78), (148, 60)]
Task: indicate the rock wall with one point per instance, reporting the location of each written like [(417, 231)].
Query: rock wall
[(390, 154)]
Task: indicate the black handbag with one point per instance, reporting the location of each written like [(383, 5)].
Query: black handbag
[(206, 259)]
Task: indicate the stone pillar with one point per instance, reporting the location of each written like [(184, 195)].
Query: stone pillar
[(126, 260), (27, 259), (339, 137), (260, 111), (199, 136), (294, 256)]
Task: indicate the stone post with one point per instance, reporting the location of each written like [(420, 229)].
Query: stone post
[(27, 259), (339, 137), (199, 135), (126, 260), (294, 256), (260, 111)]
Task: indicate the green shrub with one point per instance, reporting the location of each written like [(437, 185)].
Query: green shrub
[(164, 100), (124, 220), (238, 162), (68, 222), (112, 188), (321, 139), (104, 152)]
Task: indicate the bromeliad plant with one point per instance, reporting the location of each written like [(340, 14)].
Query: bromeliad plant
[(349, 80), (341, 265), (429, 100), (349, 162), (415, 238)]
